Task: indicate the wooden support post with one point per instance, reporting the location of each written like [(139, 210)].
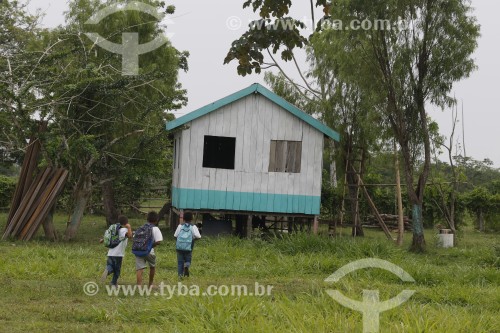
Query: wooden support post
[(249, 226), (172, 220), (375, 211), (315, 225)]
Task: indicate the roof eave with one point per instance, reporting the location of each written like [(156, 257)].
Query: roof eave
[(264, 92)]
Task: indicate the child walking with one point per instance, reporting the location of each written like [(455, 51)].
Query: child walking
[(185, 233), (116, 254), (153, 236)]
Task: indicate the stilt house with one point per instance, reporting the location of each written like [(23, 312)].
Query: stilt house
[(250, 153)]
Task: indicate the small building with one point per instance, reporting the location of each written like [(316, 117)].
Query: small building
[(250, 153)]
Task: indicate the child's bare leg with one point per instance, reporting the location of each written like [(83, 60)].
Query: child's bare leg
[(151, 275), (138, 274)]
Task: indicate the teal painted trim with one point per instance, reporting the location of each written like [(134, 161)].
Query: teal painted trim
[(210, 107), (183, 198), (264, 92), (298, 113), (175, 197)]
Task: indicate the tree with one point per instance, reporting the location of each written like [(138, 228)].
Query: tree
[(481, 202), (408, 69), (454, 174), (401, 69), (102, 122), (21, 54)]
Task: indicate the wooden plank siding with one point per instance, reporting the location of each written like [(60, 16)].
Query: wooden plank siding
[(257, 124)]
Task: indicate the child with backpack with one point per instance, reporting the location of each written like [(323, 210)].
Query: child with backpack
[(115, 238), (185, 233), (146, 238)]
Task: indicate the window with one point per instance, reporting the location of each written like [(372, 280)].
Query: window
[(285, 156), (218, 152)]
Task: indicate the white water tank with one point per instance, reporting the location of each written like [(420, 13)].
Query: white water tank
[(445, 238)]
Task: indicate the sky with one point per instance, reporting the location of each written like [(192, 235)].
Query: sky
[(207, 28)]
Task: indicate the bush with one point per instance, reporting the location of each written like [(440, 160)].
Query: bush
[(7, 187)]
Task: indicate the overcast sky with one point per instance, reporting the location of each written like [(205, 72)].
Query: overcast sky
[(207, 28)]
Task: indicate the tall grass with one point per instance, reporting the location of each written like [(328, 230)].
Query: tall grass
[(457, 290)]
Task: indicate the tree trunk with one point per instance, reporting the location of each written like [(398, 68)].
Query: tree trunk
[(401, 223), (82, 194), (416, 195), (108, 202), (249, 228), (333, 166), (418, 243), (452, 214), (48, 226), (357, 229), (353, 177)]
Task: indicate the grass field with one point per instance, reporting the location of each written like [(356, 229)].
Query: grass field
[(457, 290)]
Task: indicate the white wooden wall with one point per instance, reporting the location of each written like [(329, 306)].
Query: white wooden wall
[(176, 160), (254, 121)]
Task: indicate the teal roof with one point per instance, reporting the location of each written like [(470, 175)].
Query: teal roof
[(255, 88)]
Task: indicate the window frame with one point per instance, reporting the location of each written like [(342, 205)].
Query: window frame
[(285, 156)]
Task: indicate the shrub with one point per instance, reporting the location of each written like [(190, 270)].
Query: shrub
[(7, 187)]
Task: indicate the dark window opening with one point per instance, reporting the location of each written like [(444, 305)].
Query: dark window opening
[(285, 156), (218, 152)]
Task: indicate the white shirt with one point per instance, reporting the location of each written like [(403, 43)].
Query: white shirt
[(119, 250), (157, 237), (196, 232)]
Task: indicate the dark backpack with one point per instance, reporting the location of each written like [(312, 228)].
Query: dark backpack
[(143, 240), (112, 236), (185, 238)]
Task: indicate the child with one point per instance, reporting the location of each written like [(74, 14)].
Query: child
[(115, 255), (184, 256), (150, 259)]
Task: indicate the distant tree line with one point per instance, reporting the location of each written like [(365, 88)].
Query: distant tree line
[(478, 195)]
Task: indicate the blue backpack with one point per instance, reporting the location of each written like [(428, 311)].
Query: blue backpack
[(143, 240), (185, 238)]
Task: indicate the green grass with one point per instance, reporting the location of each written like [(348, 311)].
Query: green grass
[(457, 290)]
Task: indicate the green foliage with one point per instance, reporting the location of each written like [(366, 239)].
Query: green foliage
[(473, 194), (394, 71), (266, 34), (331, 198), (400, 69), (20, 56), (7, 187), (275, 31), (102, 125), (105, 126), (481, 201), (405, 69)]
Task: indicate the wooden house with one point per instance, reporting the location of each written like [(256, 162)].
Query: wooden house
[(249, 153)]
